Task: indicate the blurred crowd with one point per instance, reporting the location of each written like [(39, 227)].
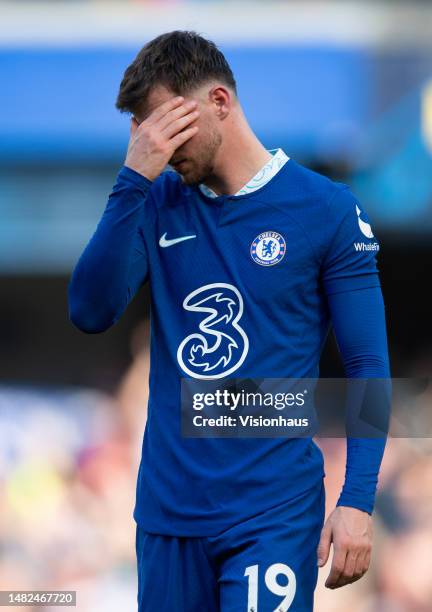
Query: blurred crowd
[(68, 464), (399, 579)]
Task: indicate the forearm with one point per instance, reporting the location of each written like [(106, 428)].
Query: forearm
[(114, 262), (359, 323)]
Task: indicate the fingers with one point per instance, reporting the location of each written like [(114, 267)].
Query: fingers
[(349, 565), (351, 535), (169, 120), (163, 109), (180, 124), (324, 544), (352, 571), (337, 567), (361, 566), (363, 562), (367, 560), (150, 147), (182, 137), (176, 113)]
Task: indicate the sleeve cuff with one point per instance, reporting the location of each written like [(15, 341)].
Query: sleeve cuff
[(131, 176), (353, 502)]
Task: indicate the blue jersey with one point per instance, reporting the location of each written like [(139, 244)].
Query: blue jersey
[(240, 287)]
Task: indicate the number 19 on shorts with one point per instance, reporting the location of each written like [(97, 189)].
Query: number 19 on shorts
[(286, 591)]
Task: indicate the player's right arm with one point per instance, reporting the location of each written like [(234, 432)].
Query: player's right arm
[(114, 263)]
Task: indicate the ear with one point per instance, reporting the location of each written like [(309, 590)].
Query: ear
[(222, 99)]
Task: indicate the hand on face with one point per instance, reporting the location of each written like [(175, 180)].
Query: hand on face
[(153, 142)]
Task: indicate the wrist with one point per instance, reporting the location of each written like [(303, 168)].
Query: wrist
[(348, 507), (146, 174), (130, 175), (357, 504), (137, 167)]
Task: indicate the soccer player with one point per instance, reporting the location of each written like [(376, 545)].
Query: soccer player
[(250, 257)]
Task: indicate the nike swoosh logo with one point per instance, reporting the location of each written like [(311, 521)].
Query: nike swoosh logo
[(164, 242)]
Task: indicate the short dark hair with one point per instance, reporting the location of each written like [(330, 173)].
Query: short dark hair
[(179, 60)]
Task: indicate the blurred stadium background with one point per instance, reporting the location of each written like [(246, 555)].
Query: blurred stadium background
[(344, 87)]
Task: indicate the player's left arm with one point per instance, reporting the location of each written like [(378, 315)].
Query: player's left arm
[(351, 282)]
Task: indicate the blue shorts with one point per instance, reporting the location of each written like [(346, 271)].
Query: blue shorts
[(264, 564)]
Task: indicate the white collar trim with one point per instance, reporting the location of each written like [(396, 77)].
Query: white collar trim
[(263, 176)]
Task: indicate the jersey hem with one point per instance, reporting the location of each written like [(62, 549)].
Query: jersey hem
[(213, 527)]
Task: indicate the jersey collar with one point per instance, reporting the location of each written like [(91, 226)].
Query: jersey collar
[(263, 176)]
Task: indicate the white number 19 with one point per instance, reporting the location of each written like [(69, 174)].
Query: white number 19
[(287, 591)]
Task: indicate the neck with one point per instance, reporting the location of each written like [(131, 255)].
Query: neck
[(240, 157)]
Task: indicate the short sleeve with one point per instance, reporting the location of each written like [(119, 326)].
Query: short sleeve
[(349, 261)]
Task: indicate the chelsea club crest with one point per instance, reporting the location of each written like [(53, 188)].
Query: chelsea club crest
[(268, 249)]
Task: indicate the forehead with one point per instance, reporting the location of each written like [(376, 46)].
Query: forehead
[(157, 96), (160, 94)]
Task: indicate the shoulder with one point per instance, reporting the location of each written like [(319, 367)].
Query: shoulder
[(320, 198), (305, 193), (316, 203), (317, 186)]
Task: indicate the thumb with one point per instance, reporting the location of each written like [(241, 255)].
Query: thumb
[(324, 544)]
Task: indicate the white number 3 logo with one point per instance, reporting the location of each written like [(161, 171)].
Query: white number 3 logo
[(286, 591)]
